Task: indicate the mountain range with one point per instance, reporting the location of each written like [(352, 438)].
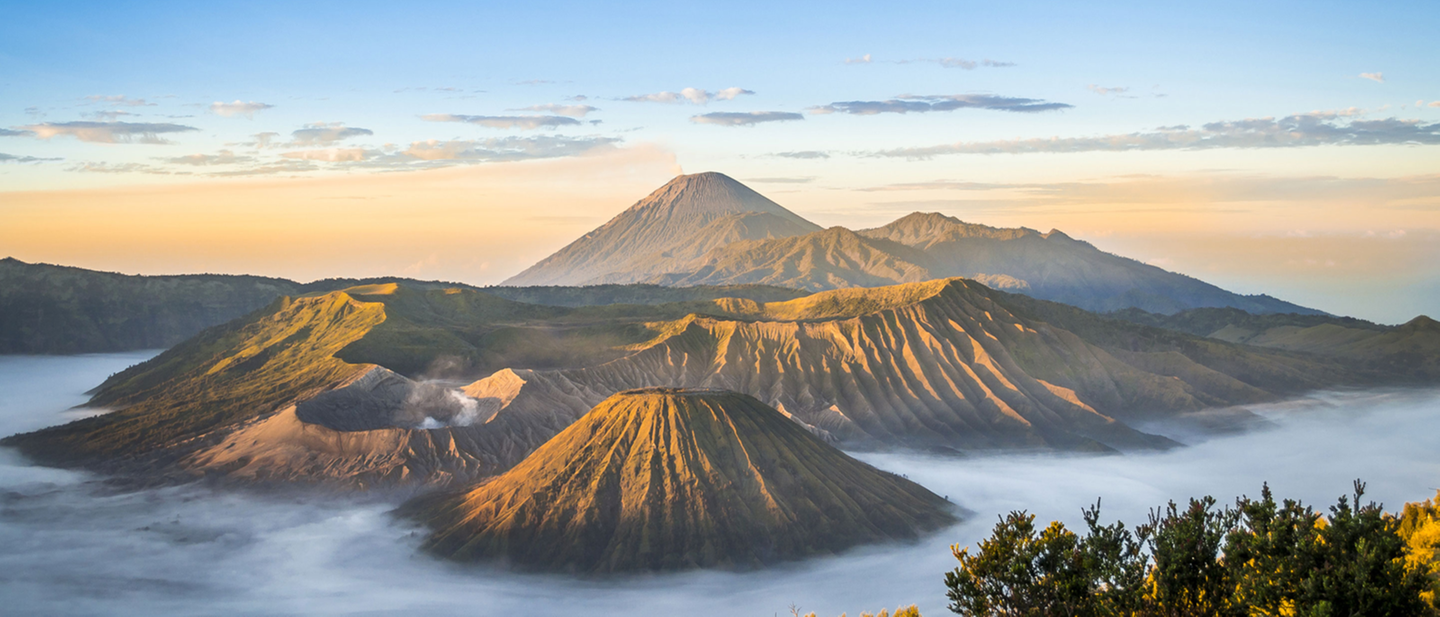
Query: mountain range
[(670, 390), (341, 387), (49, 309), (709, 229)]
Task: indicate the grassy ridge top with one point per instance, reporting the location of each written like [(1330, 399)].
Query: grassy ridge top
[(226, 375), (662, 479)]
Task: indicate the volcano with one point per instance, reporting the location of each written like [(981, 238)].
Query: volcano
[(673, 479)]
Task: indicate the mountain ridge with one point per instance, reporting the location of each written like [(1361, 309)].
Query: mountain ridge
[(640, 245)]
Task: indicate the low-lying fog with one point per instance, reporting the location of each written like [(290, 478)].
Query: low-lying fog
[(69, 547)]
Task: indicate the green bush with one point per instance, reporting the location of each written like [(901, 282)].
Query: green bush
[(1257, 558)]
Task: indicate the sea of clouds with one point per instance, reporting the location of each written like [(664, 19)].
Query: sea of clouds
[(71, 546)]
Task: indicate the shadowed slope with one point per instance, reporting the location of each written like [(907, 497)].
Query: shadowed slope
[(1409, 350), (829, 259), (674, 479), (946, 363), (659, 231)]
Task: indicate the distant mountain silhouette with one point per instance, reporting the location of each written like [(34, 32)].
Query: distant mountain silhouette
[(708, 229), (669, 479)]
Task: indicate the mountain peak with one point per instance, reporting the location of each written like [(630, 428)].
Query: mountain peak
[(709, 192), (925, 229), (666, 479), (641, 239), (1421, 323)]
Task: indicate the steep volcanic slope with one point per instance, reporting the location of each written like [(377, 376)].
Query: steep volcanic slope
[(295, 393), (664, 230), (668, 479), (831, 259), (298, 347), (944, 363)]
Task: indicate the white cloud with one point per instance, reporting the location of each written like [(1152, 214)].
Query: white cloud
[(504, 148), (694, 96), (119, 100), (505, 122), (865, 59), (223, 157), (238, 108), (725, 118), (1300, 130), (119, 168), (1104, 91), (803, 154), (574, 111), (108, 132), (325, 134), (1375, 77), (109, 114), (909, 103), (10, 158)]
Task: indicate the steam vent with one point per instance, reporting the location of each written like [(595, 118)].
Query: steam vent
[(671, 479)]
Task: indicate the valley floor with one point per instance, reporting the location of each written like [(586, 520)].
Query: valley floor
[(71, 547)]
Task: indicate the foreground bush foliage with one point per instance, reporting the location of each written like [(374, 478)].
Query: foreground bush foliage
[(1259, 558)]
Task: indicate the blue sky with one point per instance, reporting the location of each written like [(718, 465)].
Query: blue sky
[(1031, 100)]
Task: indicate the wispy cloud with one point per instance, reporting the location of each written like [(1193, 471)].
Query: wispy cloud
[(803, 154), (120, 168), (1300, 130), (108, 114), (16, 133), (290, 166), (727, 118), (238, 108), (910, 103), (223, 157), (1202, 192), (10, 158), (1106, 91), (505, 148), (865, 59), (325, 134), (331, 155), (692, 95), (574, 111), (1375, 77), (969, 65), (505, 122), (108, 132), (119, 100), (801, 180)]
